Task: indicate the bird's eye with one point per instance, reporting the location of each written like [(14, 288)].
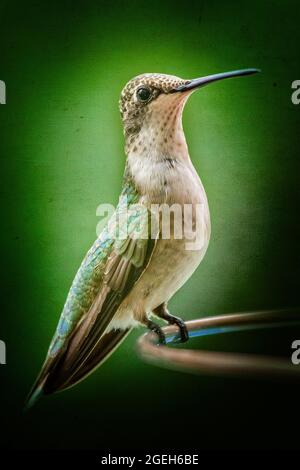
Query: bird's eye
[(143, 94)]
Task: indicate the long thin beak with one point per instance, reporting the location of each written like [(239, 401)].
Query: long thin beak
[(200, 82)]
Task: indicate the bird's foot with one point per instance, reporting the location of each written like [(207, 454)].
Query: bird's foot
[(163, 312), (183, 332), (157, 329)]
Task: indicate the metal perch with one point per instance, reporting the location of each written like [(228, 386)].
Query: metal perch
[(222, 363)]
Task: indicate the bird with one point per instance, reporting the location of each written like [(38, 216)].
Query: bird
[(127, 281)]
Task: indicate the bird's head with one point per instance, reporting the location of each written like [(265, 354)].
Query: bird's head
[(151, 108)]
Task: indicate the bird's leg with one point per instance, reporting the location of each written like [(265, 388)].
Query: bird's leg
[(156, 329), (162, 312)]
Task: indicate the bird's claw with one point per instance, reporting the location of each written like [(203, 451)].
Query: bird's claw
[(157, 329), (183, 335)]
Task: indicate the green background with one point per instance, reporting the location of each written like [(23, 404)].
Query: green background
[(61, 148)]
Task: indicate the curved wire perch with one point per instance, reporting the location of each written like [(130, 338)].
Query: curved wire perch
[(222, 363)]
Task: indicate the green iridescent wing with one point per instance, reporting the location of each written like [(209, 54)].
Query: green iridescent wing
[(106, 275), (89, 277)]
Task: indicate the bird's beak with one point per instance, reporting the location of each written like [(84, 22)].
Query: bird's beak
[(200, 82)]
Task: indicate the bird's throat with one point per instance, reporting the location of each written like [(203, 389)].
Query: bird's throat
[(157, 156)]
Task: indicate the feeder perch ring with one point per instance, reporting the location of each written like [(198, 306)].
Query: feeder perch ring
[(222, 363)]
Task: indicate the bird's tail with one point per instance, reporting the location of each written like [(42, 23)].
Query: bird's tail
[(54, 377), (60, 380), (35, 393)]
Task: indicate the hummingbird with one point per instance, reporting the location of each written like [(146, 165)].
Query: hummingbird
[(128, 281)]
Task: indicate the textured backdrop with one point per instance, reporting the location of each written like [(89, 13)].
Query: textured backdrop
[(61, 149)]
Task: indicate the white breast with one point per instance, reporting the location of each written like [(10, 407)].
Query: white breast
[(173, 261)]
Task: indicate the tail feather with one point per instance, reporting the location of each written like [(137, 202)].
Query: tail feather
[(61, 378), (55, 375), (36, 392)]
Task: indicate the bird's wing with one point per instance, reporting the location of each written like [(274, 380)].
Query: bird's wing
[(124, 266), (109, 276)]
